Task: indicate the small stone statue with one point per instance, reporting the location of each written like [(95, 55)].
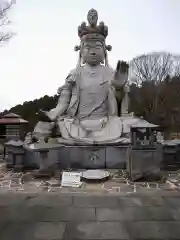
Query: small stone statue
[(92, 18), (28, 138), (87, 109)]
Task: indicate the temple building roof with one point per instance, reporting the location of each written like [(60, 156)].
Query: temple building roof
[(143, 124), (12, 118)]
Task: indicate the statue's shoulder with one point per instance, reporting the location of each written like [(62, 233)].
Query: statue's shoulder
[(70, 77)]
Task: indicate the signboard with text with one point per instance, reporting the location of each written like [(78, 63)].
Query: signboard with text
[(71, 179)]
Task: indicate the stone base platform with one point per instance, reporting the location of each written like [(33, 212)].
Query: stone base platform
[(76, 157)]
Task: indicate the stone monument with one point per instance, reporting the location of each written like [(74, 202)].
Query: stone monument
[(87, 110), (92, 109)]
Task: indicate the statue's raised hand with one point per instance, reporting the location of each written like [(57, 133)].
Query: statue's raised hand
[(121, 75)]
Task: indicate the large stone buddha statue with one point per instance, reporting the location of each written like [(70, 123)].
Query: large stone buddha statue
[(87, 109)]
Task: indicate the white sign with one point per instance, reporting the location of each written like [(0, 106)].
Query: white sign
[(71, 179)]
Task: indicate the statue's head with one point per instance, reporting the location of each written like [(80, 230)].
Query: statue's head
[(93, 49), (93, 52)]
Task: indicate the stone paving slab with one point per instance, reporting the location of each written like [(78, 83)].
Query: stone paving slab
[(13, 214), (49, 200), (144, 200), (11, 199), (135, 214), (153, 230), (34, 231), (99, 201), (96, 230), (69, 214), (89, 216)]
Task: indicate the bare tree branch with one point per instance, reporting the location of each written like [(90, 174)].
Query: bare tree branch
[(157, 77), (153, 67), (5, 6)]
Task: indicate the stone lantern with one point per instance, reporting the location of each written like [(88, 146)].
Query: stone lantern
[(145, 153)]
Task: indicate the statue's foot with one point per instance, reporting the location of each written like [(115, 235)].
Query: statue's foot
[(34, 139)]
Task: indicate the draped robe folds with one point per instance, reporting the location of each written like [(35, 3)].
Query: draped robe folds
[(87, 107), (92, 112)]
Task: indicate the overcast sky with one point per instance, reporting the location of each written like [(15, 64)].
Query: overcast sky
[(37, 60)]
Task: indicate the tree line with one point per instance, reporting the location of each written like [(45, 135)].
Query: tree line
[(155, 88)]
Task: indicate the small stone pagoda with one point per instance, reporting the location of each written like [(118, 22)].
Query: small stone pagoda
[(12, 127)]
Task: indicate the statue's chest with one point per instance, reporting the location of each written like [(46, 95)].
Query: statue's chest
[(93, 82)]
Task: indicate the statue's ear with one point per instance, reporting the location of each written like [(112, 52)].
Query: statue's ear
[(118, 66), (83, 61)]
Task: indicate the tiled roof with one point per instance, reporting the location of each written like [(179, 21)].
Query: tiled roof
[(12, 118), (11, 115)]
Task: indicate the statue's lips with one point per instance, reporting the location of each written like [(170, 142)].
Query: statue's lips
[(94, 57)]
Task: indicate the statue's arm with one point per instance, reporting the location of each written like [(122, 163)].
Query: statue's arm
[(120, 81), (65, 93), (112, 102)]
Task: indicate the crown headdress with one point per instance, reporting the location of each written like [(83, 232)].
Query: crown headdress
[(92, 31)]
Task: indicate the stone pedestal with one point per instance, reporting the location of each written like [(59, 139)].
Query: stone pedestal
[(43, 157), (144, 163), (92, 157), (171, 155), (116, 156), (15, 155), (31, 159), (19, 162), (81, 157)]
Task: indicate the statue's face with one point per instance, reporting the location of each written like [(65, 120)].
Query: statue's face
[(93, 52)]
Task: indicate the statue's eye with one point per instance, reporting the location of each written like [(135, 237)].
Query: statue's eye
[(86, 48)]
